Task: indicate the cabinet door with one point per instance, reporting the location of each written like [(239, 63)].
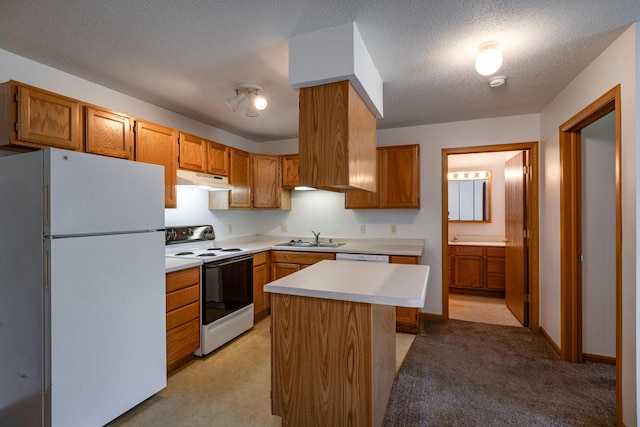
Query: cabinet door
[(279, 270), (46, 119), (240, 178), (266, 181), (361, 200), (290, 171), (159, 145), (108, 133), (193, 153), (407, 318), (399, 177), (469, 272), (260, 298), (217, 159)]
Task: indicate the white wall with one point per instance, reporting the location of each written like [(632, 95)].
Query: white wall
[(599, 237), (618, 64)]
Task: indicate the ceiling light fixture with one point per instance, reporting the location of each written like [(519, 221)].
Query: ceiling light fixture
[(257, 102), (489, 59)]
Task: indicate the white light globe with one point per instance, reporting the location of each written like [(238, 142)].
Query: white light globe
[(488, 61), (260, 103)]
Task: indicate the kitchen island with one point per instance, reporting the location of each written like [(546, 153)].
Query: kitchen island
[(333, 340)]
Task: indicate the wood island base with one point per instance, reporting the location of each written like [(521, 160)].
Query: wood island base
[(333, 361)]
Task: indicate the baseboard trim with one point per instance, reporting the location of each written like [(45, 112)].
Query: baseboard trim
[(551, 342), (598, 359), (431, 316)]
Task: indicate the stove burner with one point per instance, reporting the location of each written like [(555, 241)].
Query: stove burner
[(214, 249), (206, 254), (184, 253), (231, 250)]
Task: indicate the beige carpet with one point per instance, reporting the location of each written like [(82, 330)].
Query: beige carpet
[(481, 309), (229, 387)]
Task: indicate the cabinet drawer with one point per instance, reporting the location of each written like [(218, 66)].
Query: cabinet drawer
[(294, 257), (495, 252), (468, 250), (495, 281), (182, 278), (495, 265), (260, 258), (183, 297), (182, 315), (183, 341)]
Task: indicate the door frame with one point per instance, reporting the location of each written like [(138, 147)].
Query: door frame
[(571, 230), (532, 218)]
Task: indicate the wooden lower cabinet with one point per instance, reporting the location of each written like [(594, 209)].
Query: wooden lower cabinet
[(183, 316), (407, 318), (477, 270), (261, 276)]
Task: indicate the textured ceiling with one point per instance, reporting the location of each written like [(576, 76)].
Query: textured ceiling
[(187, 55)]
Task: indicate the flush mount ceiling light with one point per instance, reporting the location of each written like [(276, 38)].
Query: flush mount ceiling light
[(257, 102), (489, 59)]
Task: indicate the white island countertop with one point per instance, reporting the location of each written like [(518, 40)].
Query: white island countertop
[(403, 285)]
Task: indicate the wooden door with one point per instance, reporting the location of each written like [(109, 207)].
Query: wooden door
[(46, 119), (217, 159), (516, 287), (240, 178), (159, 145), (108, 133), (266, 181), (399, 177), (290, 171), (193, 153)]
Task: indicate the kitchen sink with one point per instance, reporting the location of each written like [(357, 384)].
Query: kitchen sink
[(302, 243)]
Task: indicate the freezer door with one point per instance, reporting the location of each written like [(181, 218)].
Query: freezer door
[(89, 194), (107, 325)]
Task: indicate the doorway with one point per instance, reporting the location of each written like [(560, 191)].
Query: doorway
[(530, 296), (571, 245)]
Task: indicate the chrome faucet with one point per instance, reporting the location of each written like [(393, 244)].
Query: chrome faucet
[(317, 235)]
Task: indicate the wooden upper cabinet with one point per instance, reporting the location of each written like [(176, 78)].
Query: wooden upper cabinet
[(108, 133), (159, 145), (217, 159), (290, 171), (240, 178), (400, 177), (337, 134), (266, 178), (398, 181), (36, 118), (193, 153)]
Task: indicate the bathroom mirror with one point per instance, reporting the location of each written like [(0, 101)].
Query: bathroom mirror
[(469, 196)]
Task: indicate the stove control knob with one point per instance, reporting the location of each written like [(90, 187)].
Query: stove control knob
[(190, 232), (174, 234)]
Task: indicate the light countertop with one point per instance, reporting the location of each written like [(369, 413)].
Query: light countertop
[(175, 264), (461, 243), (401, 285)]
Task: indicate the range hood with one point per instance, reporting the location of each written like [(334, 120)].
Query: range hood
[(203, 181)]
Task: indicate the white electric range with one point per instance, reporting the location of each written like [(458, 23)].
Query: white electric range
[(226, 298)]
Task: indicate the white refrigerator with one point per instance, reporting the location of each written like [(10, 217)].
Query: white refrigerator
[(82, 287)]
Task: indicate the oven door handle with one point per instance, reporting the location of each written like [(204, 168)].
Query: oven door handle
[(227, 261)]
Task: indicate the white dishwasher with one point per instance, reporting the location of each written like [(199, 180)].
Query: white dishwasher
[(362, 257)]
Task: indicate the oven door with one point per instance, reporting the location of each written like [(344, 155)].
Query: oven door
[(228, 286)]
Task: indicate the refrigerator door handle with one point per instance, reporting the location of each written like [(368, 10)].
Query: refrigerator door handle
[(47, 270)]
